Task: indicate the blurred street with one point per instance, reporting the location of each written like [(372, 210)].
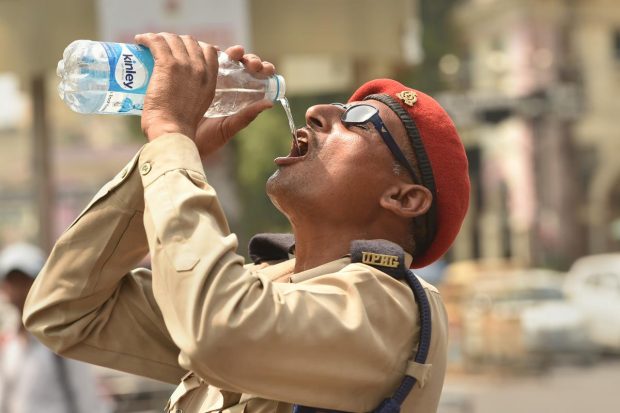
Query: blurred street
[(565, 388)]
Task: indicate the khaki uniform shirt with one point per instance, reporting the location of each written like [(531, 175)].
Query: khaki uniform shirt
[(240, 338)]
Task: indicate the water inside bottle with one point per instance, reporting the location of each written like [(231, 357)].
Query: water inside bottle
[(291, 122)]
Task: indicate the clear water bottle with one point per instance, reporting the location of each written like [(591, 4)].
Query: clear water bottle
[(112, 78)]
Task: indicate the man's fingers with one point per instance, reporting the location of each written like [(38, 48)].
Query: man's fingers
[(252, 63), (204, 44), (253, 109), (177, 46), (235, 52), (244, 117), (193, 49), (269, 69), (157, 45), (210, 55)]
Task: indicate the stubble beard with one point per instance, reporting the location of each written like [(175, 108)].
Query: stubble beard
[(286, 189)]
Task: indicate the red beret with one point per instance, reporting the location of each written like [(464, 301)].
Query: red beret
[(440, 155)]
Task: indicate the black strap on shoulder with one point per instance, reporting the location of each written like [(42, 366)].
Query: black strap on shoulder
[(270, 247), (389, 258)]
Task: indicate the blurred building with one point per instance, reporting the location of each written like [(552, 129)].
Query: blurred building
[(539, 80), (52, 160), (326, 46)]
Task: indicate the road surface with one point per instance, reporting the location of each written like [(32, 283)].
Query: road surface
[(563, 389)]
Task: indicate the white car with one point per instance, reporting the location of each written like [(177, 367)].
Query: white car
[(593, 284)]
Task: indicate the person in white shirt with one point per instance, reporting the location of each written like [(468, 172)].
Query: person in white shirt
[(32, 378)]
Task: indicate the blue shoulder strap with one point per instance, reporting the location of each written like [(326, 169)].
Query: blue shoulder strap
[(381, 253)]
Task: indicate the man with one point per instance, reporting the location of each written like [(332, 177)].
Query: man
[(324, 329), (32, 378)]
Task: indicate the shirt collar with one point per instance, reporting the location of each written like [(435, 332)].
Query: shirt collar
[(327, 268), (281, 269)]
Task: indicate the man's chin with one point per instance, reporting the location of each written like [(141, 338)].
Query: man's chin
[(275, 184), (284, 187)]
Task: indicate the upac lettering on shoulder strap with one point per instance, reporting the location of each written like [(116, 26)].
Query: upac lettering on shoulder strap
[(390, 258), (270, 247)]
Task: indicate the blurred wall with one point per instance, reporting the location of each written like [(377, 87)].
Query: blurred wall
[(33, 33), (322, 47), (325, 46), (542, 81)]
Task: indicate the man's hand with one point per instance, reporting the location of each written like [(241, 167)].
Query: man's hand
[(182, 85), (213, 133)]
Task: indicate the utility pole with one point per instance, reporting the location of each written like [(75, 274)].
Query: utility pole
[(570, 205), (41, 163)]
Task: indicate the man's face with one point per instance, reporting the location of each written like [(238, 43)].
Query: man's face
[(344, 171)]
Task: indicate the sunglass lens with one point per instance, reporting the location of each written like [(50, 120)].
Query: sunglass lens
[(359, 114)]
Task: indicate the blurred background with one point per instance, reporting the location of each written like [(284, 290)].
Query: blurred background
[(532, 284)]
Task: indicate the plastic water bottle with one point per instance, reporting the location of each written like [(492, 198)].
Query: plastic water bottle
[(112, 78)]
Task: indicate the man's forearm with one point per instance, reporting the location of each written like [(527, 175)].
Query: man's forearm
[(87, 305)]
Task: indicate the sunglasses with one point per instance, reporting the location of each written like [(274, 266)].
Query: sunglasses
[(361, 114)]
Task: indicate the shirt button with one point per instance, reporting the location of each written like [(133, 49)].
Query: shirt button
[(145, 168), (124, 173)]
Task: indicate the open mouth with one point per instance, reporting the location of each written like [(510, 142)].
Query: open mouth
[(300, 144), (299, 149)]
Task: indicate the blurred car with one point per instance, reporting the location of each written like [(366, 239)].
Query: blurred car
[(593, 284), (521, 319), (456, 290), (455, 401)]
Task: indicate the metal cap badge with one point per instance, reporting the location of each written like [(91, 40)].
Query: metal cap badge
[(408, 97)]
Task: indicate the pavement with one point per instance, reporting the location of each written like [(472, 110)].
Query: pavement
[(563, 388)]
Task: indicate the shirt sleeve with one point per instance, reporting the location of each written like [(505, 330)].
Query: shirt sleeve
[(338, 341), (88, 304)]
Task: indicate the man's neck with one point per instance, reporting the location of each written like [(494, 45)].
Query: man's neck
[(315, 246), (309, 253)]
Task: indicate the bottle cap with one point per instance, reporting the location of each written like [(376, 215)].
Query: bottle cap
[(276, 88)]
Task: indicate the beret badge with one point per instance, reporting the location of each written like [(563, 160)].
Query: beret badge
[(408, 97)]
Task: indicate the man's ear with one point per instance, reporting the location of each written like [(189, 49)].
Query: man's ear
[(407, 200)]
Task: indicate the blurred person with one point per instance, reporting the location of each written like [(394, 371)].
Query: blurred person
[(324, 320), (32, 378)]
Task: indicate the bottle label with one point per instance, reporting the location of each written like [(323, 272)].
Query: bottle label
[(122, 103), (130, 70), (131, 66)]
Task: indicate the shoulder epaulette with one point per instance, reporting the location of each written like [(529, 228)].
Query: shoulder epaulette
[(270, 247), (390, 258), (381, 254)]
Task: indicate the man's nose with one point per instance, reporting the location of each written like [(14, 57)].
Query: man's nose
[(322, 117)]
